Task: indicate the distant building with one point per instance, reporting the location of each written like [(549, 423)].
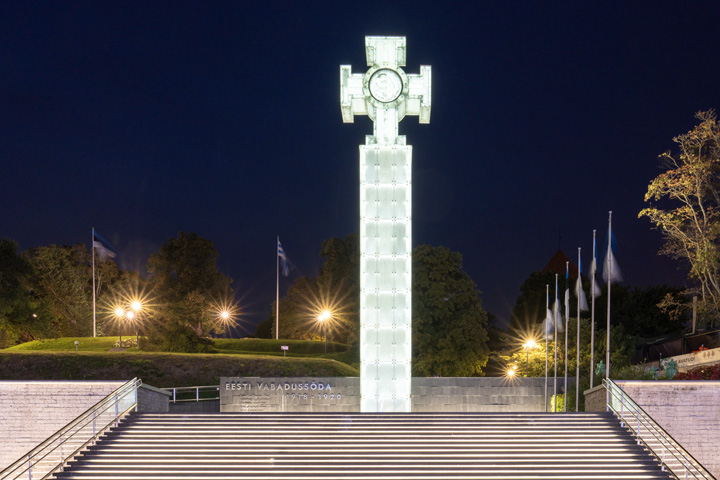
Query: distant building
[(557, 265)]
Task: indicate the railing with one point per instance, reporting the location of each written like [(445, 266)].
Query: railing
[(194, 394), (672, 457), (51, 455)]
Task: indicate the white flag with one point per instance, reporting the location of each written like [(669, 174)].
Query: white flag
[(283, 259), (580, 293), (611, 268)]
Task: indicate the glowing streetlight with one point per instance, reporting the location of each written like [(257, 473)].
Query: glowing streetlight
[(527, 346), (323, 318), (511, 371), (130, 315)]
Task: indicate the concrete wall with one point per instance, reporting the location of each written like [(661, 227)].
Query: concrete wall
[(31, 411), (153, 400), (342, 394), (688, 410)]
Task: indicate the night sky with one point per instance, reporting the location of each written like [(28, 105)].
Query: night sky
[(144, 119)]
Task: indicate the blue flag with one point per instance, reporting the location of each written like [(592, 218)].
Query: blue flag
[(103, 247)]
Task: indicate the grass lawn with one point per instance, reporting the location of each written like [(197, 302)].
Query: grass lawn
[(56, 359)]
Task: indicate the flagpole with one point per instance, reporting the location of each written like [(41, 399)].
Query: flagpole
[(577, 344), (609, 267), (592, 313), (567, 322), (277, 289), (92, 250), (547, 326), (555, 322)]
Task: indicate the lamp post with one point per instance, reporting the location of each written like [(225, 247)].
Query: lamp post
[(135, 307), (224, 318), (120, 313), (323, 318), (527, 346), (130, 315)]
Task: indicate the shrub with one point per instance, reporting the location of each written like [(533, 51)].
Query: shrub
[(706, 372), (125, 343)]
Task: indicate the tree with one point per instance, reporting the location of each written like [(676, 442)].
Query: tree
[(530, 306), (187, 285), (61, 282), (22, 317), (690, 223), (449, 323), (336, 289)]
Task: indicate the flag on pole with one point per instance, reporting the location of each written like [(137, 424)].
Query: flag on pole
[(557, 320), (567, 284), (593, 270), (103, 247), (579, 292), (548, 324), (611, 268), (283, 259)]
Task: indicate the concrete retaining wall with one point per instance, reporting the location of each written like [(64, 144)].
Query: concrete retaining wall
[(688, 410), (153, 400), (342, 394), (32, 411)]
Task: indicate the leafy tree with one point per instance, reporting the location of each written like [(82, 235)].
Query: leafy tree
[(336, 289), (187, 285), (529, 311), (639, 310), (689, 216), (22, 317), (449, 324), (60, 281)]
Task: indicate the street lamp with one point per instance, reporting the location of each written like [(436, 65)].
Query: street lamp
[(135, 307), (323, 318), (120, 313), (130, 315), (530, 344)]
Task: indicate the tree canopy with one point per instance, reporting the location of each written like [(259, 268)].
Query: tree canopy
[(188, 288), (449, 324), (22, 316), (336, 290), (685, 205)]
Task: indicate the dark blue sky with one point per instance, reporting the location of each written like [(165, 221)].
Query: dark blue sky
[(223, 118)]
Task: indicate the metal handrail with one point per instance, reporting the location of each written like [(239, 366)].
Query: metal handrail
[(208, 388), (49, 456), (684, 467)]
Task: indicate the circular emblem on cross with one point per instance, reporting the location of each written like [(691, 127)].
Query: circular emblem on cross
[(385, 85)]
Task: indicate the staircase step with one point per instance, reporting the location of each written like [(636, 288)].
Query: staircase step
[(365, 446)]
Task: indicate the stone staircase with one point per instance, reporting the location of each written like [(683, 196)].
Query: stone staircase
[(366, 446)]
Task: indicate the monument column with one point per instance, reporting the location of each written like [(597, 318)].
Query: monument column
[(386, 94)]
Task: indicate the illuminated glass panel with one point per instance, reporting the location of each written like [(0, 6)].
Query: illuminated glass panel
[(385, 277)]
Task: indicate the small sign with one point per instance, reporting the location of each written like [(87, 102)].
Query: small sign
[(284, 347)]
